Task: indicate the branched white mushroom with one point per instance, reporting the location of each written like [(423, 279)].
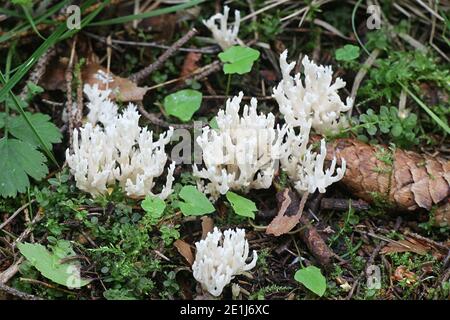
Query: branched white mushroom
[(113, 147), (220, 257), (241, 154), (305, 167), (315, 99), (224, 37)]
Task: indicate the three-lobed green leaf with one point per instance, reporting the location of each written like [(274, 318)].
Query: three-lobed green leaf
[(18, 161), (183, 104), (195, 203), (49, 133), (238, 59), (241, 206), (312, 278)]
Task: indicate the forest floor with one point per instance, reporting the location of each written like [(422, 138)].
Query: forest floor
[(396, 66)]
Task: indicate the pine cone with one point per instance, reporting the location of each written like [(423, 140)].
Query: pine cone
[(406, 180)]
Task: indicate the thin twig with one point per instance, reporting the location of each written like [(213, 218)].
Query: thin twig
[(69, 78), (206, 50), (6, 275), (361, 74), (144, 73), (17, 293), (153, 118), (38, 71), (4, 224)]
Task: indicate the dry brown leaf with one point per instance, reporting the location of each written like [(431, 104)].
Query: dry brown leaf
[(207, 226), (190, 63), (121, 89), (54, 78), (162, 27), (285, 220), (407, 245), (185, 250), (402, 273)]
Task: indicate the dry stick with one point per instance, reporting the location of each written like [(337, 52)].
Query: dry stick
[(13, 269), (38, 70), (206, 50), (80, 105), (223, 97), (69, 77), (28, 230), (361, 74), (10, 272), (17, 293), (153, 118), (144, 73), (4, 224)]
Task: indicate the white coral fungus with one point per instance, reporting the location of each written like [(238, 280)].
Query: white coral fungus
[(305, 167), (220, 257), (241, 154), (224, 37), (113, 147), (315, 99)]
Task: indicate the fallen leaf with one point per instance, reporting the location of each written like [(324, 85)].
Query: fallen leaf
[(162, 27), (190, 63), (207, 226), (402, 273), (185, 250), (54, 77), (407, 245), (287, 217), (93, 73), (121, 89)]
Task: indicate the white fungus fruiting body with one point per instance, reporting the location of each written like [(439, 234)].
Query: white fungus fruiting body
[(241, 154), (113, 147), (316, 98), (224, 37), (304, 167), (220, 257)]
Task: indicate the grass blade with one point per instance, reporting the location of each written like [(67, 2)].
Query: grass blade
[(24, 115), (25, 26), (430, 112), (144, 15), (32, 60)]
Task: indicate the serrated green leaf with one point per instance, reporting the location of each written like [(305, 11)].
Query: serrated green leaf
[(312, 278), (195, 203), (49, 133), (18, 161), (238, 59), (348, 52), (183, 104), (49, 263), (242, 206), (154, 207)]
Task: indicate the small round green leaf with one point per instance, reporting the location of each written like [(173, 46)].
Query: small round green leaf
[(195, 203), (238, 59), (242, 206), (347, 53), (312, 278), (183, 104)]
